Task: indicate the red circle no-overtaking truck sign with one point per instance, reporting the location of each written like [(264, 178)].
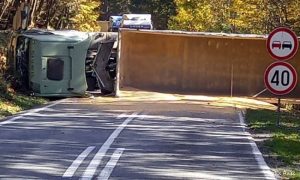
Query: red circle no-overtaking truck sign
[(280, 78), (282, 44)]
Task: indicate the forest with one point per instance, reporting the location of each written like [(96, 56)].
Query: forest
[(229, 16)]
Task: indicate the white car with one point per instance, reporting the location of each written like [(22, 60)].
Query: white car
[(137, 21)]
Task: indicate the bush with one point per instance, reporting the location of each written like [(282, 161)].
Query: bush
[(4, 35)]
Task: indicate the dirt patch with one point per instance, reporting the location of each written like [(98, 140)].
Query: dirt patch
[(135, 95)]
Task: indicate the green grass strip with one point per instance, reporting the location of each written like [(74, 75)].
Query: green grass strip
[(284, 143)]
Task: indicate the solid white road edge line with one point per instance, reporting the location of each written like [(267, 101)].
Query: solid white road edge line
[(91, 169), (106, 172), (257, 154), (30, 112), (76, 163)]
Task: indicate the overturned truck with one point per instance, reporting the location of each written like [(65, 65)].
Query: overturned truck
[(64, 63)]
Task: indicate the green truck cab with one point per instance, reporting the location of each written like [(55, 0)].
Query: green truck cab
[(63, 63)]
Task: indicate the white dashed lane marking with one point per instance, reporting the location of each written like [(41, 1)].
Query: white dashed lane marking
[(77, 162), (106, 172), (91, 169)]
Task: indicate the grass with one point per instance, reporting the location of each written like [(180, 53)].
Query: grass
[(284, 144), (12, 102)]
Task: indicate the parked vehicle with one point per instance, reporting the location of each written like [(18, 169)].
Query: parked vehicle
[(115, 22), (137, 21)]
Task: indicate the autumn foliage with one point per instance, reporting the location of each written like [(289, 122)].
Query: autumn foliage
[(54, 14), (236, 16)]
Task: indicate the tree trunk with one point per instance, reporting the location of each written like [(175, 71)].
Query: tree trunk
[(33, 5)]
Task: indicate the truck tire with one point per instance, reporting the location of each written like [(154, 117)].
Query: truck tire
[(91, 83)]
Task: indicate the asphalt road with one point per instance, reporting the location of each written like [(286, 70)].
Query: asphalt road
[(85, 139)]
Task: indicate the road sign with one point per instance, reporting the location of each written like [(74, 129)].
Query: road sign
[(282, 44), (280, 78)]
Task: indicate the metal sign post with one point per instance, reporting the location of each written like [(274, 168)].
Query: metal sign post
[(278, 111)]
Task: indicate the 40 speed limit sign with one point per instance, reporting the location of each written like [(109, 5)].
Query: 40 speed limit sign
[(280, 78)]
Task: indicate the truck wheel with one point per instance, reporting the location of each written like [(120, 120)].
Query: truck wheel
[(91, 83), (105, 92)]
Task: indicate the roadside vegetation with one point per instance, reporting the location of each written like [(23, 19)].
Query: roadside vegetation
[(238, 16), (12, 102), (282, 149)]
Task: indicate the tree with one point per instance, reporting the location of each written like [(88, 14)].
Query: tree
[(114, 7), (237, 16), (160, 10), (196, 15), (62, 14), (56, 14), (87, 15)]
